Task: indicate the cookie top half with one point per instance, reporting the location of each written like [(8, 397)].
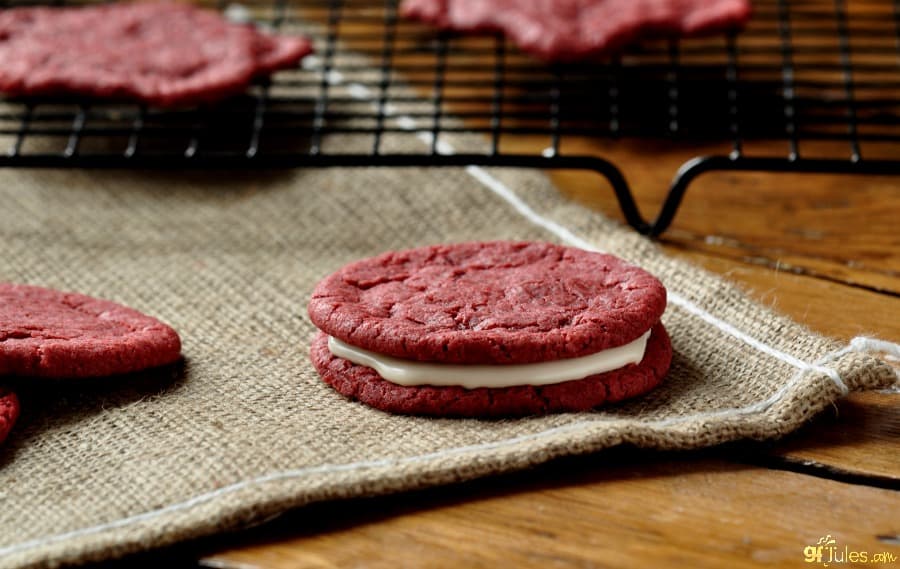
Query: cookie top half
[(495, 302), (49, 333)]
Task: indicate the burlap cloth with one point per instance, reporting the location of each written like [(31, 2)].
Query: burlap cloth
[(244, 428)]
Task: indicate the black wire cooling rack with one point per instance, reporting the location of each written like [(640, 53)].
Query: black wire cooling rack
[(818, 78)]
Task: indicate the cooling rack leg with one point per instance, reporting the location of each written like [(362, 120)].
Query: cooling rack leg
[(693, 168), (624, 196), (683, 178)]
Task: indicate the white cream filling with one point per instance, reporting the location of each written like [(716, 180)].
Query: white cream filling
[(408, 372)]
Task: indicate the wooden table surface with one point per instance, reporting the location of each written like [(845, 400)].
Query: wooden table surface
[(824, 250)]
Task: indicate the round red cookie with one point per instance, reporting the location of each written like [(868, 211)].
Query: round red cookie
[(363, 384), (494, 302), (9, 411), (47, 333), (164, 53)]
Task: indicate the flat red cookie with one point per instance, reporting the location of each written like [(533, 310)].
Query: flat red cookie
[(163, 53), (47, 333), (488, 303), (363, 384), (578, 29), (9, 412)]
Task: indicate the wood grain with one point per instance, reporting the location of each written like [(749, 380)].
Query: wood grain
[(827, 306), (860, 435), (610, 510)]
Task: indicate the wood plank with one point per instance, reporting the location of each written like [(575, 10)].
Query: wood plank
[(829, 308), (612, 509), (860, 436)]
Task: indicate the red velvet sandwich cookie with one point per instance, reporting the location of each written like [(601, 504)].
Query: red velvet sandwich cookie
[(9, 411), (490, 329), (47, 333), (163, 53)]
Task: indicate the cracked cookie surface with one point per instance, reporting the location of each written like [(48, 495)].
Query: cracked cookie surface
[(48, 333), (494, 302)]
